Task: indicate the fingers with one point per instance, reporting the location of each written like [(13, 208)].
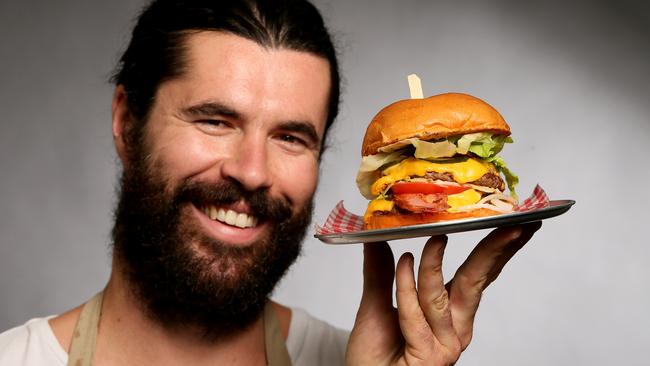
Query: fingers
[(378, 274), (480, 269), (490, 256), (424, 314), (413, 324), (432, 294), (375, 333)]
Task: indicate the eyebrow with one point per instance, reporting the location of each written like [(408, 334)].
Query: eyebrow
[(210, 109)]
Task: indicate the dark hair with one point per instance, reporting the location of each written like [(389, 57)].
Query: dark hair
[(155, 52)]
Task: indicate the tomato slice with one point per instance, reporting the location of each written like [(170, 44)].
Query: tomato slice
[(426, 188)]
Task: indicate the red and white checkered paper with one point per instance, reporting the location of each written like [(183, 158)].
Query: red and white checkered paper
[(341, 220)]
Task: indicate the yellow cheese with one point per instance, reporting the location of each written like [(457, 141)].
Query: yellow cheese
[(468, 197), (465, 171), (379, 204)]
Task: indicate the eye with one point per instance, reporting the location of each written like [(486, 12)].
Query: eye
[(212, 126), (292, 142), (291, 139), (212, 122)]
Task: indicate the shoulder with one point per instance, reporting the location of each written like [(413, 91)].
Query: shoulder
[(312, 341), (32, 343)]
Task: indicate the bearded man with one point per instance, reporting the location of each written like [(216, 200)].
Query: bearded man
[(220, 115)]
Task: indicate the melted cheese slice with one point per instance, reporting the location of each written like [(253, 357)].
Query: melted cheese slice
[(462, 171), (468, 197), (379, 204)]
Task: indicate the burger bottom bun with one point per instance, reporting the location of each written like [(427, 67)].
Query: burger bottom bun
[(374, 222)]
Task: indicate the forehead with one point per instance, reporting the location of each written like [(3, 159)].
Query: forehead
[(283, 83)]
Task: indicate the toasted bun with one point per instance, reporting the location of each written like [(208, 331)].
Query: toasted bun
[(432, 118), (373, 222)]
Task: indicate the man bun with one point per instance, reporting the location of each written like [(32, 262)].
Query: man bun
[(436, 117)]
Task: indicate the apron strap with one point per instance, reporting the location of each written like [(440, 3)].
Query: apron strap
[(276, 349), (84, 336)]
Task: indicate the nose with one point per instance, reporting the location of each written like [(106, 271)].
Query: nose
[(249, 165)]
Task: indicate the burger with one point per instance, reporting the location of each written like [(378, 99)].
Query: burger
[(435, 159)]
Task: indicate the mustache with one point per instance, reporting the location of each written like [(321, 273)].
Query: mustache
[(229, 191)]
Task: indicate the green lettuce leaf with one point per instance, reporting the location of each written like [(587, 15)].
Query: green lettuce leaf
[(482, 144), (511, 178), (369, 171), (374, 162)]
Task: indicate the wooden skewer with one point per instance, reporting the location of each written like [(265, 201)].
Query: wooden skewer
[(415, 87)]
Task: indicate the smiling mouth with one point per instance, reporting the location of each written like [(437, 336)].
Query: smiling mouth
[(229, 216)]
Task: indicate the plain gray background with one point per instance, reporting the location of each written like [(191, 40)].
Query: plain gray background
[(571, 78)]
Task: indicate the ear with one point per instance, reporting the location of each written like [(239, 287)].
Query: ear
[(121, 122)]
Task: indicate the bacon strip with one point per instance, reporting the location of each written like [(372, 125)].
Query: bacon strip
[(421, 203)]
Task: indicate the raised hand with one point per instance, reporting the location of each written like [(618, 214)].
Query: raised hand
[(433, 322)]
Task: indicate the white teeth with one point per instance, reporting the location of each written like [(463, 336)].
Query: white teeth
[(221, 215), (242, 220), (230, 217)]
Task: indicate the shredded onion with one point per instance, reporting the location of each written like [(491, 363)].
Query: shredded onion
[(484, 188), (498, 196), (499, 202), (502, 205)]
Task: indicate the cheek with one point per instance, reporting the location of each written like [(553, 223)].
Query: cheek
[(186, 154), (296, 177)]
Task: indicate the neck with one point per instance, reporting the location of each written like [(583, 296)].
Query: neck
[(129, 336)]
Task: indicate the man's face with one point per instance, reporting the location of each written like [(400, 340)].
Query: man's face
[(244, 113), (216, 200)]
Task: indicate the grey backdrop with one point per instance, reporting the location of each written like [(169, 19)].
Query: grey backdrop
[(571, 78)]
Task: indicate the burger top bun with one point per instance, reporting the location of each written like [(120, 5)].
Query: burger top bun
[(436, 117)]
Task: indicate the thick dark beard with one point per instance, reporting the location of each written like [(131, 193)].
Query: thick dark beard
[(188, 281)]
